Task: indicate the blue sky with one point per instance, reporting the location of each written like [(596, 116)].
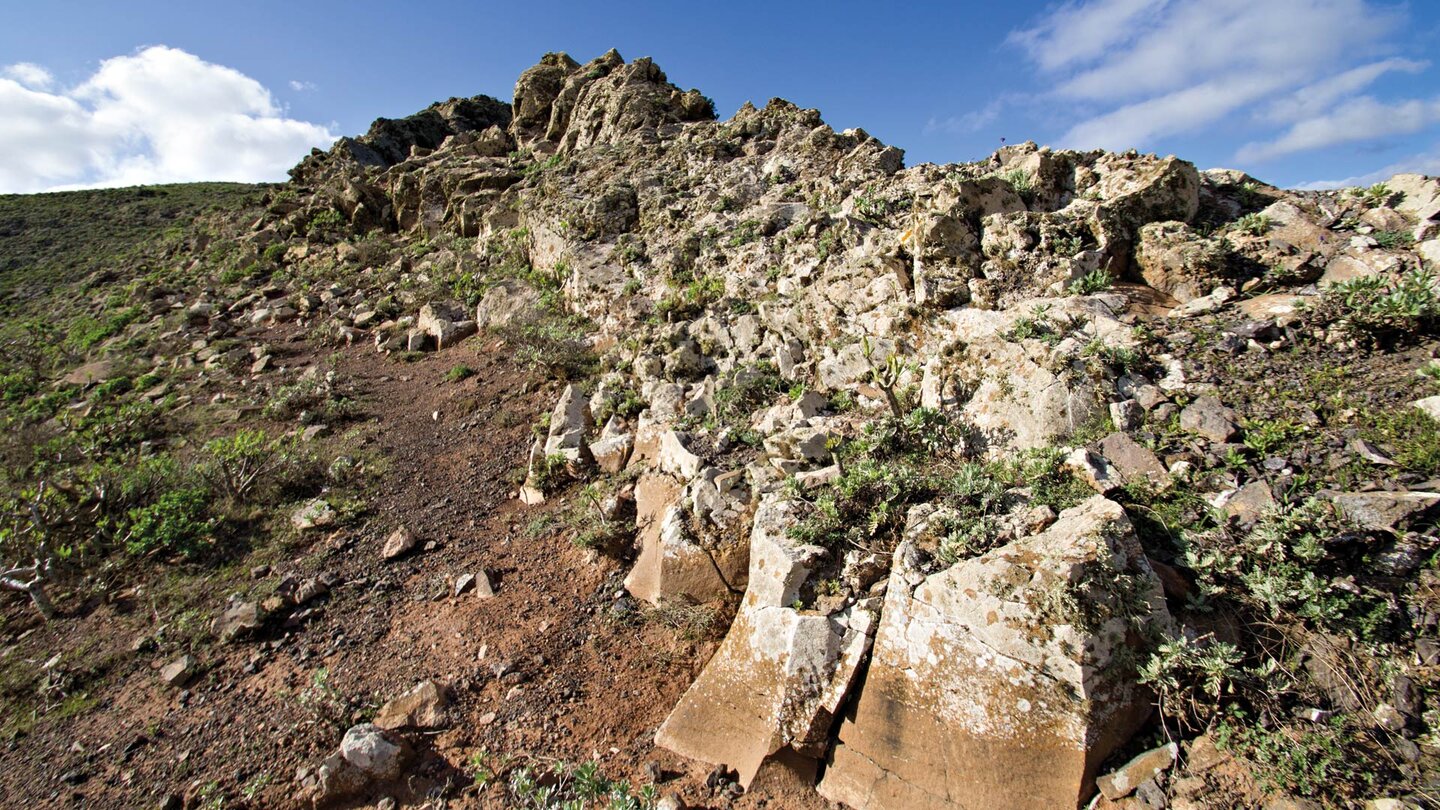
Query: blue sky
[(1295, 91)]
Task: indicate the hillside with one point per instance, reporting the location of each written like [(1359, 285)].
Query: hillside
[(589, 451)]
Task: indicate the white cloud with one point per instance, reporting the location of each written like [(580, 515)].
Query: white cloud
[(972, 121), (29, 74), (1079, 32), (1135, 71), (1358, 119), (1423, 163), (301, 87), (1171, 114), (160, 115), (1315, 99)]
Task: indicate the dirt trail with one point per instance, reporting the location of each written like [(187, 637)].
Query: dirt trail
[(587, 675)]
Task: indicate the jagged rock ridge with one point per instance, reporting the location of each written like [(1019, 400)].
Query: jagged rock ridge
[(708, 254)]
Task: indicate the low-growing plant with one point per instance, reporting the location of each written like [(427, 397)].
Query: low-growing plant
[(238, 466), (554, 344), (1190, 677), (459, 373), (1377, 309), (1093, 282), (1328, 761), (178, 522), (1393, 240), (1266, 436), (1253, 224)]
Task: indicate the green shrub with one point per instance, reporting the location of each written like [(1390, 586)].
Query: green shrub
[(554, 344), (1021, 181), (1190, 677), (1091, 283), (240, 466), (1376, 309), (1265, 436), (1253, 224), (459, 373), (581, 787), (1410, 435), (1327, 761), (178, 522)]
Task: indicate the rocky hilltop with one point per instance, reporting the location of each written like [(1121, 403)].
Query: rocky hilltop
[(1051, 479)]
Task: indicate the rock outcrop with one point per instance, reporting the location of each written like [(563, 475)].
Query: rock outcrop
[(1003, 680)]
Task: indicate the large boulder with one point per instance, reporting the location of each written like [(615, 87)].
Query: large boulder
[(535, 92), (674, 565), (1175, 260), (1419, 197), (631, 98), (569, 423), (771, 691), (1005, 680)]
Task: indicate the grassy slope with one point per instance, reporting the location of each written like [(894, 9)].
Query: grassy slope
[(52, 239)]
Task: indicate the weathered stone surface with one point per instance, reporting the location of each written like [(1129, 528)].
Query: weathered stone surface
[(1175, 260), (181, 671), (239, 620), (612, 452), (998, 682), (1386, 511), (422, 707), (673, 564), (1094, 470), (569, 424), (771, 691), (367, 756), (508, 302), (1430, 406), (675, 458), (1144, 767), (1250, 502), (1133, 460), (1210, 418), (400, 542)]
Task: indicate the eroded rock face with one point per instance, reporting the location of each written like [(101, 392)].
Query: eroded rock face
[(1175, 260), (771, 691), (1000, 682), (675, 565)]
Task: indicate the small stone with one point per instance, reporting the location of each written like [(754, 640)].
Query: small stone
[(1389, 718), (1093, 470), (1123, 781), (1385, 511), (1428, 651), (1430, 405), (1313, 715), (1209, 418), (463, 583), (1127, 415), (1134, 461), (1370, 453), (179, 672), (421, 707), (1250, 502), (239, 620), (314, 514), (484, 587), (1202, 754), (400, 542)]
